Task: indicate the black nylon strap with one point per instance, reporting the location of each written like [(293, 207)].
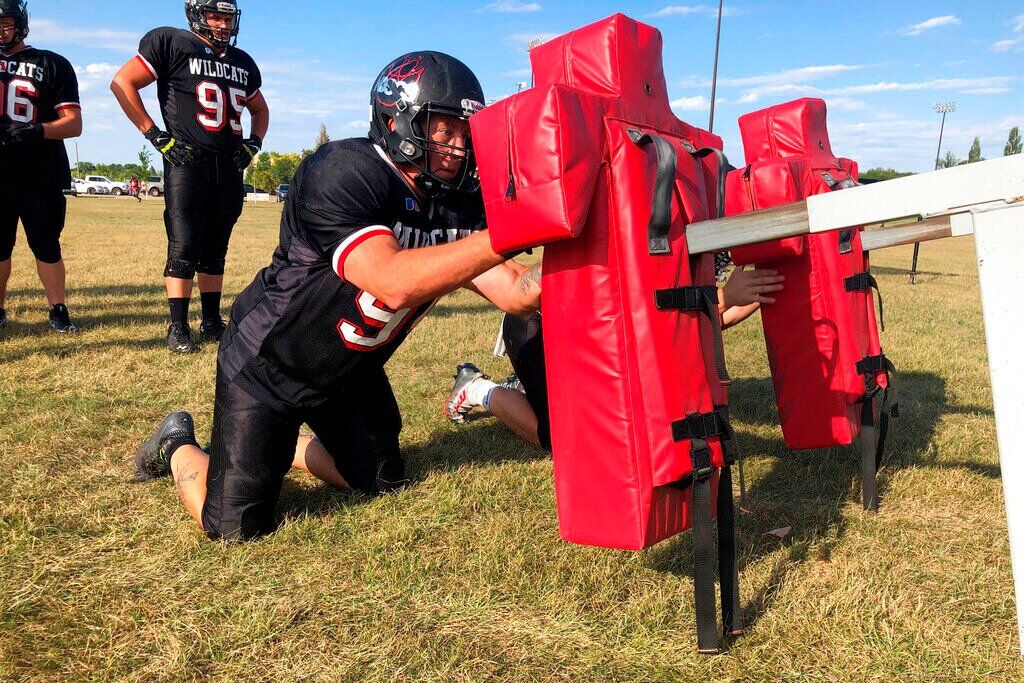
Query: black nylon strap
[(664, 186), (708, 641), (701, 426), (728, 575), (869, 449), (724, 168), (705, 300), (866, 280)]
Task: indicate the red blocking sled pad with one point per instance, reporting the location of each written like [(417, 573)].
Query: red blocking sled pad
[(592, 163), (822, 334)]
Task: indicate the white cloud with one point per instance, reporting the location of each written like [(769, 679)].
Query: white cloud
[(698, 103), (49, 31), (1018, 23), (801, 75), (993, 85), (521, 41), (688, 10), (987, 91), (934, 22), (513, 6), (1007, 45)]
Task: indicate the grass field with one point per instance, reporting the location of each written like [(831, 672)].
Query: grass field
[(462, 577)]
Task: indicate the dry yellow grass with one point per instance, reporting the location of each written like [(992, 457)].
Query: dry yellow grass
[(462, 577)]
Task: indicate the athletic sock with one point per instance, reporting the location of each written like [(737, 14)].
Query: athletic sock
[(179, 311), (178, 443), (479, 392), (211, 305)]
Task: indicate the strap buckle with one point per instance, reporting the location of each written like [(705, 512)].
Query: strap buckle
[(685, 298), (700, 456)]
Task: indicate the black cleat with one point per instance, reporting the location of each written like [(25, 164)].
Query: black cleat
[(152, 461), (211, 330), (3, 319), (179, 339), (60, 320)]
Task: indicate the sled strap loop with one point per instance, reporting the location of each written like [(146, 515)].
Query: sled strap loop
[(664, 186), (866, 281), (704, 300), (708, 640)]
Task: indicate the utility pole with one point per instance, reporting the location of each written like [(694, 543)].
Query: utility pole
[(940, 108), (714, 77)]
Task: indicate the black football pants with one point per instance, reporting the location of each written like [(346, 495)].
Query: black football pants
[(253, 446), (524, 343), (42, 211), (204, 201)]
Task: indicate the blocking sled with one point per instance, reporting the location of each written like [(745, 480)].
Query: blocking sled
[(592, 163), (826, 359)]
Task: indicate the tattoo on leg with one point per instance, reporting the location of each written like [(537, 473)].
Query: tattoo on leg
[(530, 279), (186, 477)]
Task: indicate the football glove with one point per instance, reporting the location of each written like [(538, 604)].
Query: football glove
[(176, 152), (247, 152), (20, 133)]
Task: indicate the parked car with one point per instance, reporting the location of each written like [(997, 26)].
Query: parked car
[(249, 189), (87, 187), (116, 189), (282, 192), (154, 186)]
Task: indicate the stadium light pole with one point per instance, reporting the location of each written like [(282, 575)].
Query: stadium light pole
[(534, 43), (714, 76), (940, 108)]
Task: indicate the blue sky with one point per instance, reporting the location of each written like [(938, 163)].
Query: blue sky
[(880, 65)]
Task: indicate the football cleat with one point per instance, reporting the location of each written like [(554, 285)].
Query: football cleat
[(458, 405), (152, 460), (513, 383), (179, 339), (211, 330), (3, 319), (60, 320)]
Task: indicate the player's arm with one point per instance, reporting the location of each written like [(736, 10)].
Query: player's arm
[(67, 125), (405, 278), (512, 287), (133, 77), (259, 111), (745, 292)]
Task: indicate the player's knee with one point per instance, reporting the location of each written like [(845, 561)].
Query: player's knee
[(184, 269), (212, 267), (45, 250), (239, 523), (6, 247)]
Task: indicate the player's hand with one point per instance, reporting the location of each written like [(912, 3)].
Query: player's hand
[(176, 152), (20, 133), (747, 287), (247, 152)]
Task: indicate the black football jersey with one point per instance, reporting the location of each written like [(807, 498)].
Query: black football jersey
[(299, 332), (35, 85), (202, 93)]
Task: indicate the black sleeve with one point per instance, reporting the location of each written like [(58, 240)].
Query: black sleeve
[(255, 81), (341, 197), (65, 85), (155, 49)]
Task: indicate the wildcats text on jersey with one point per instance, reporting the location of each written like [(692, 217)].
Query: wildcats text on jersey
[(414, 238), (212, 69), (21, 69)]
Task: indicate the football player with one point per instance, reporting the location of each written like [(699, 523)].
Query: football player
[(374, 231), (523, 405), (39, 109), (203, 83)]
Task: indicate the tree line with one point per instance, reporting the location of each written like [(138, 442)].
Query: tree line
[(1013, 145)]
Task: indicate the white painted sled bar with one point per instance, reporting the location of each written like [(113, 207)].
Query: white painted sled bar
[(956, 193)]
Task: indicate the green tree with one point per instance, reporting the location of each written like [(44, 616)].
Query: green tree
[(322, 138), (261, 173), (146, 160), (974, 156), (1013, 144), (880, 173), (950, 160)]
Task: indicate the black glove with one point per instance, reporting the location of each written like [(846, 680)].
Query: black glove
[(176, 152), (247, 152), (20, 133)]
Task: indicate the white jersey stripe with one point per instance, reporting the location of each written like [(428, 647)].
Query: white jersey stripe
[(351, 242)]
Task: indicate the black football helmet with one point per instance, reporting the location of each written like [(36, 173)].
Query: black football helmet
[(408, 91), (18, 9), (196, 11)]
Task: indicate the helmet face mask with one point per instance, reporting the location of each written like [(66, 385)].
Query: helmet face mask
[(196, 11), (17, 10), (407, 95)]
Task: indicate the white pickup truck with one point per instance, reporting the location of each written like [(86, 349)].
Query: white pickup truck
[(116, 189)]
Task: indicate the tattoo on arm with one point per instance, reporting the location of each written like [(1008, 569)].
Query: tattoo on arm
[(530, 279)]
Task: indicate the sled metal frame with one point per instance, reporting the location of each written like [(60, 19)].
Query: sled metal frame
[(986, 200)]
